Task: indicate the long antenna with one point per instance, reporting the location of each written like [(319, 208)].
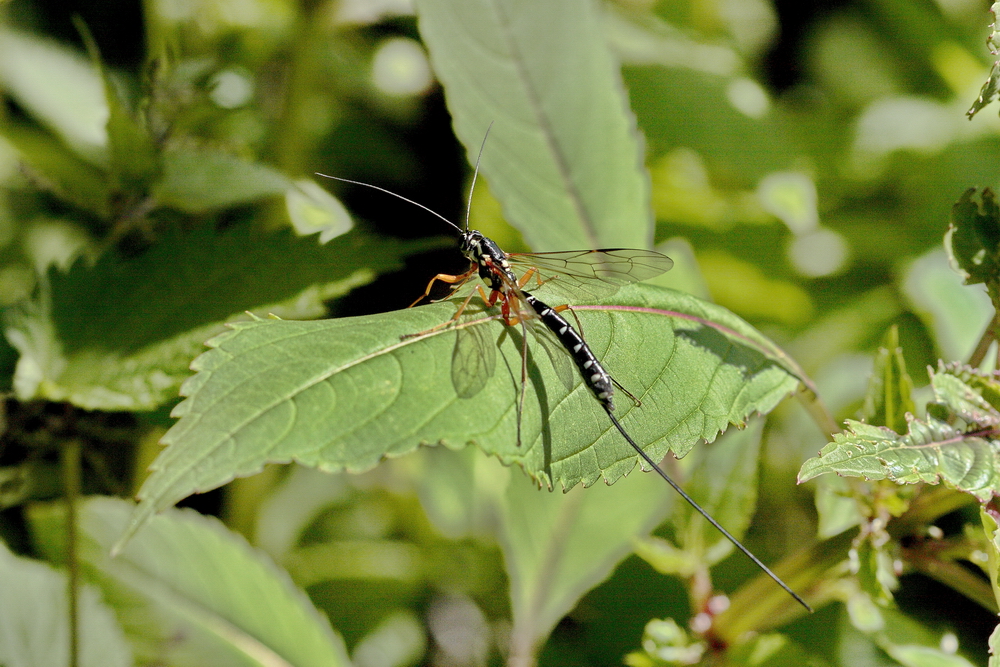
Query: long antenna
[(708, 517), (468, 206), (397, 196), (475, 175)]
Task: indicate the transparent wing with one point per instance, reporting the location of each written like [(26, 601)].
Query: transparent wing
[(577, 275)]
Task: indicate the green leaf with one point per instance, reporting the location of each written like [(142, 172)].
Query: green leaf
[(34, 626), (724, 482), (197, 180), (52, 167), (963, 401), (995, 647), (985, 384), (932, 451), (134, 155), (665, 644), (187, 588), (988, 518), (59, 88), (989, 90), (973, 237), (563, 155), (913, 644), (121, 334), (954, 314), (890, 390), (343, 394), (559, 546)]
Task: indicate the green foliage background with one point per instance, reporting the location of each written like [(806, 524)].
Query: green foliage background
[(158, 165)]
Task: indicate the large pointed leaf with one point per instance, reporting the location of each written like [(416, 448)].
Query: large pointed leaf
[(343, 394), (558, 546), (34, 625), (187, 588), (563, 155), (931, 451), (121, 334)]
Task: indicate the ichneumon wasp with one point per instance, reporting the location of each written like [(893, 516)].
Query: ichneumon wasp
[(574, 274)]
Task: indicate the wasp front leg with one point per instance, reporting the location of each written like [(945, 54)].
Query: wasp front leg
[(457, 281)]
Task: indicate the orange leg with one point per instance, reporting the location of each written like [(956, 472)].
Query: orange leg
[(457, 281)]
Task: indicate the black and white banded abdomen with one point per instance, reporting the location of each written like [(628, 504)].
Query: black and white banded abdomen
[(590, 368)]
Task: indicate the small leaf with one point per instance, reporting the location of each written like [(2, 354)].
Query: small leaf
[(986, 384), (312, 209), (890, 390), (989, 90), (973, 238), (34, 626), (343, 394), (875, 570), (963, 401), (197, 180), (133, 153), (994, 646), (564, 148), (932, 451), (208, 590)]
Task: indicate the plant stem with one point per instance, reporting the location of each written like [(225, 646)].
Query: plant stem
[(70, 460), (985, 341)]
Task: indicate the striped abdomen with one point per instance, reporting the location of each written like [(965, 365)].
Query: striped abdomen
[(590, 368)]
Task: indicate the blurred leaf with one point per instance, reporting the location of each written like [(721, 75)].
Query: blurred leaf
[(563, 156), (197, 180), (956, 315), (312, 209), (122, 333), (890, 390), (210, 593), (932, 451), (724, 483), (924, 656), (912, 643), (994, 647), (875, 576), (743, 147), (837, 510), (988, 518), (343, 394), (558, 546), (772, 650), (666, 644), (54, 168), (34, 626), (57, 86), (133, 153), (746, 289)]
